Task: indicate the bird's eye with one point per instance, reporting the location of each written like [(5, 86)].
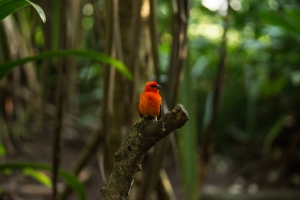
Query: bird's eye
[(153, 86)]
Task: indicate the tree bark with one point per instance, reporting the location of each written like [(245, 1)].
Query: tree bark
[(141, 137)]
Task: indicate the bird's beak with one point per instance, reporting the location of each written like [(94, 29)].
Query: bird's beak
[(158, 87)]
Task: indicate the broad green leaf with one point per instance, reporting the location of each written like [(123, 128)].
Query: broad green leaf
[(7, 66), (69, 178), (7, 7), (42, 178)]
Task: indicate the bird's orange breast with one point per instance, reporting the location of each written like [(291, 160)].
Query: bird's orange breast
[(149, 104)]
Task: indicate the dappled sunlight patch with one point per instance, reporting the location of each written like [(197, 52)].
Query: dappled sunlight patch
[(211, 31), (233, 38)]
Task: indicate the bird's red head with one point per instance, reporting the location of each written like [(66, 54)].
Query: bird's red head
[(152, 86)]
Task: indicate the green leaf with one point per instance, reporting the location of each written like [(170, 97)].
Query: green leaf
[(39, 10), (7, 66), (42, 178), (2, 150), (7, 7), (69, 178)]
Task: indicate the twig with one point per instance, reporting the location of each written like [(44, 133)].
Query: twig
[(61, 99), (142, 136), (6, 137), (154, 37), (58, 126), (46, 64), (136, 24), (164, 187), (179, 50)]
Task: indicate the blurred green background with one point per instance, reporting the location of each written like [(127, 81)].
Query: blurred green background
[(234, 65)]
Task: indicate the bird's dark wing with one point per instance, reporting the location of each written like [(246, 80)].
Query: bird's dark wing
[(141, 116), (159, 116)]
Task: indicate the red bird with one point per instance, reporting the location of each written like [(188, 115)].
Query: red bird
[(150, 101)]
